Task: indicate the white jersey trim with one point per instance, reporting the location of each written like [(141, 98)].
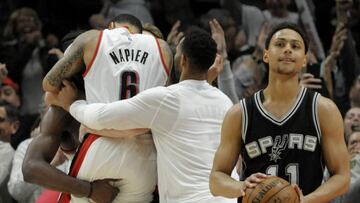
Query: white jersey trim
[(94, 55), (287, 116), (315, 115), (244, 119)]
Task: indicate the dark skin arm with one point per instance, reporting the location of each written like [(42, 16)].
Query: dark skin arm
[(37, 169)]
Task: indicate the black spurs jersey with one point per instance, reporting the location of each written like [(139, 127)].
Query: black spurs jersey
[(288, 147)]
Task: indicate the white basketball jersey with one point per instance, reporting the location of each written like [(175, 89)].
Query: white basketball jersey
[(123, 65)]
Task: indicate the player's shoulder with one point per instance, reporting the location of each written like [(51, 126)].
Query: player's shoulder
[(235, 111), (326, 104), (327, 110), (89, 35), (156, 92), (225, 99)]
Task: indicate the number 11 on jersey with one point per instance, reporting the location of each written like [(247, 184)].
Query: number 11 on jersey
[(291, 171)]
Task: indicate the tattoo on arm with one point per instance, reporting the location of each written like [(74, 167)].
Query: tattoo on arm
[(71, 64)]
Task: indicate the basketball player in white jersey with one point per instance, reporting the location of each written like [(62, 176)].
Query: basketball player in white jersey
[(184, 118), (116, 64)]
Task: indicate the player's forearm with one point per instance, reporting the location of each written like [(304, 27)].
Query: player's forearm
[(87, 114), (222, 184), (41, 173), (337, 185), (50, 87), (99, 116)]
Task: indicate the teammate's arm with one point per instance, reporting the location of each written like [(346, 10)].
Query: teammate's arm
[(73, 62), (36, 167), (335, 153), (119, 115)]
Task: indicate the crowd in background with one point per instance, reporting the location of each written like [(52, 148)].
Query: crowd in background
[(34, 34)]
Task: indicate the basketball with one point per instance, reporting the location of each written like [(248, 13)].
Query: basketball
[(272, 189)]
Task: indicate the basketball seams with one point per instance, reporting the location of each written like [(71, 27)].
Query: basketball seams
[(278, 192), (281, 189)]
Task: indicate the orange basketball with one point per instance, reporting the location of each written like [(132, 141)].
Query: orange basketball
[(271, 190)]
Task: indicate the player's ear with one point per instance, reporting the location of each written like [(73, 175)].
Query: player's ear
[(183, 60), (305, 61), (111, 25), (266, 56)]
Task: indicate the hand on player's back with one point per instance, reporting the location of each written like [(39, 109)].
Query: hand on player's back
[(103, 191)]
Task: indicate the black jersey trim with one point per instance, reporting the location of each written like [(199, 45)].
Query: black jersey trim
[(315, 116), (244, 119), (287, 116)]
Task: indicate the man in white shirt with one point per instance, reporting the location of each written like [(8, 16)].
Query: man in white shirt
[(9, 124), (185, 120)]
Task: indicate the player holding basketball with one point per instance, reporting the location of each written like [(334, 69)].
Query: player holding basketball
[(119, 64), (284, 130)]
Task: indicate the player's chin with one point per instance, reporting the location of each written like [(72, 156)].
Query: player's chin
[(286, 70)]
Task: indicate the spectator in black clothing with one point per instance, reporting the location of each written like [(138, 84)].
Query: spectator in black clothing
[(25, 53)]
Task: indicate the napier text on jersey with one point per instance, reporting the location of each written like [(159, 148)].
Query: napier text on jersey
[(126, 55)]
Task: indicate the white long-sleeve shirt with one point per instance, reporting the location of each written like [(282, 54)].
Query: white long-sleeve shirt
[(18, 188), (185, 120), (6, 154)]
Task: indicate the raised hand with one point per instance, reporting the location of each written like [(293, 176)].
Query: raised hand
[(3, 72), (309, 81), (217, 33), (174, 36), (215, 69)]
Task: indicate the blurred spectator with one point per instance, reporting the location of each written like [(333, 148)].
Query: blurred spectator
[(234, 38), (355, 93), (112, 8), (248, 18), (352, 122), (277, 12), (353, 195), (26, 57), (21, 191), (248, 76), (9, 92), (25, 192), (9, 124), (344, 67)]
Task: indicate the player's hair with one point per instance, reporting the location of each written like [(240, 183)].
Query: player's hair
[(155, 31), (199, 48), (290, 26), (12, 114), (130, 19)]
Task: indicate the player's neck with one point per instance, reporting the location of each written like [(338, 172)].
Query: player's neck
[(280, 89), (193, 76)]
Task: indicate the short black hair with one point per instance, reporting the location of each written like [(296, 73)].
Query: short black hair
[(69, 38), (199, 48), (290, 26), (12, 113), (127, 18)]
